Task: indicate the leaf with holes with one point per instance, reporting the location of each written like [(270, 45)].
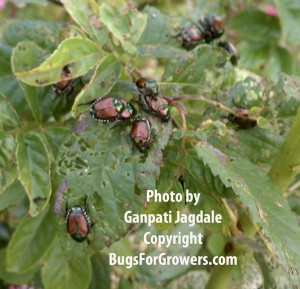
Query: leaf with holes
[(101, 162)]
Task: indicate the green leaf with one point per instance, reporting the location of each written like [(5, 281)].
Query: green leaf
[(8, 115), (8, 170), (281, 61), (55, 137), (26, 56), (43, 33), (289, 12), (105, 76), (191, 70), (158, 38), (85, 14), (266, 205), (80, 54), (202, 174), (127, 26), (258, 145), (12, 195), (62, 273), (9, 86), (34, 170), (30, 241), (5, 52), (254, 55), (158, 28), (100, 272), (256, 26), (13, 278)]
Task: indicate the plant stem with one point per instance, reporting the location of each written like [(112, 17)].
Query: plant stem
[(287, 162), (206, 100), (220, 277)]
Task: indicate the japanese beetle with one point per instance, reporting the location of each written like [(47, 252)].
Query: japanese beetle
[(78, 222), (147, 86), (111, 108), (141, 133), (158, 106), (242, 118), (212, 27), (65, 85), (231, 49), (190, 37)]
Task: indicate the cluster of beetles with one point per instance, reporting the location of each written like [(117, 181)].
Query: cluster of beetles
[(207, 30), (114, 108)]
